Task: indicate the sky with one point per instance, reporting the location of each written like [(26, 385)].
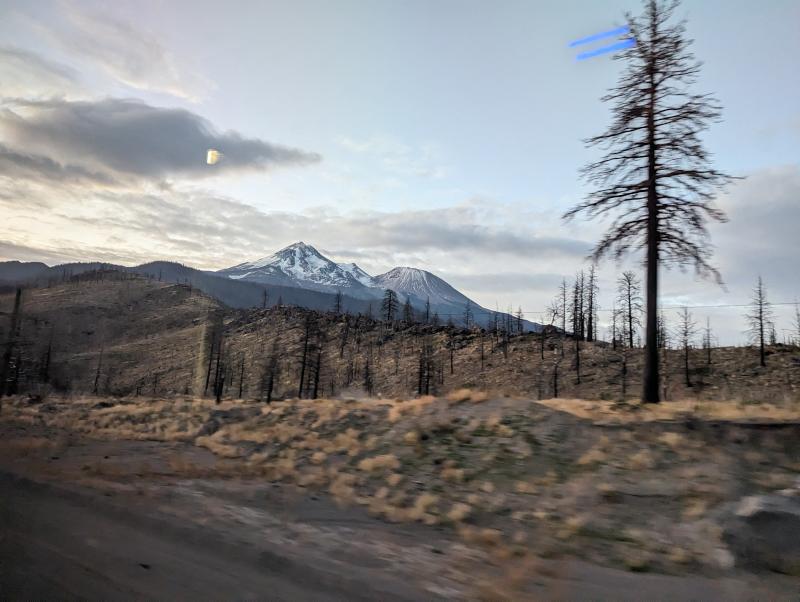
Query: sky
[(443, 135)]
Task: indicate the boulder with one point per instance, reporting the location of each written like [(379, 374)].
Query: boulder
[(764, 532)]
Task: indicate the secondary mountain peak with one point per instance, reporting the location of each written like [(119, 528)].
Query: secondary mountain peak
[(421, 284)]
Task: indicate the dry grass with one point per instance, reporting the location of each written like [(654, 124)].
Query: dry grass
[(608, 411), (507, 474)]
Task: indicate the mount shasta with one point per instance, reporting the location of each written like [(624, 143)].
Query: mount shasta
[(295, 275), (302, 266)]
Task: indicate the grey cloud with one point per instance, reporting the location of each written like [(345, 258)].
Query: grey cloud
[(64, 253), (22, 166), (25, 73), (131, 137), (762, 234)]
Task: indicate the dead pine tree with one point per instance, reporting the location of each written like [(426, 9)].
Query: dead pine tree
[(214, 342), (796, 324), (345, 334), (408, 313), (369, 386), (575, 310), (337, 303), (552, 313), (98, 371), (686, 330), (708, 342), (11, 342), (270, 373), (759, 319), (307, 328), (427, 368), (614, 326), (389, 306), (655, 177), (592, 290), (241, 376), (629, 297)]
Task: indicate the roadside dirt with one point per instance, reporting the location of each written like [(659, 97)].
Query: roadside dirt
[(120, 519)]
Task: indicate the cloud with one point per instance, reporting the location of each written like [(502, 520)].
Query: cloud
[(212, 231), (761, 236), (20, 166), (27, 74), (492, 252), (129, 137), (132, 56)]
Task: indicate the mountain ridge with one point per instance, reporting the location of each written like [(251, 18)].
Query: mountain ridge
[(297, 275)]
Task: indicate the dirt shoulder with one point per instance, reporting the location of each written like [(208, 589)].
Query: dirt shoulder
[(305, 494)]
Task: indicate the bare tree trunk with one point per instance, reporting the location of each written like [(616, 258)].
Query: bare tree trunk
[(650, 377), (304, 358), (97, 372), (10, 343), (241, 376)]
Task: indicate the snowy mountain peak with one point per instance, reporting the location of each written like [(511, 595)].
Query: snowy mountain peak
[(301, 265)]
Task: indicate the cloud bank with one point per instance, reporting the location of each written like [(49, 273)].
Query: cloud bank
[(130, 137)]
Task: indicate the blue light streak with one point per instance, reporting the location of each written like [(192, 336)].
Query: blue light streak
[(599, 36), (604, 49)]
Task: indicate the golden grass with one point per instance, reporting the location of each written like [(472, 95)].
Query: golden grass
[(382, 462), (462, 395), (600, 411)]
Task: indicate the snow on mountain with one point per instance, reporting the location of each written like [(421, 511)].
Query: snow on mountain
[(301, 265), (357, 273), (422, 285)]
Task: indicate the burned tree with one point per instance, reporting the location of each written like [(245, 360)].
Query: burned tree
[(614, 326), (629, 298), (797, 324), (270, 373), (213, 340), (552, 313), (427, 369), (686, 330), (337, 303), (369, 386), (408, 313), (11, 342), (592, 290), (708, 342), (759, 319), (655, 178), (307, 332), (389, 305)]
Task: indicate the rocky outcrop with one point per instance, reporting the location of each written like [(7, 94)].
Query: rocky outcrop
[(764, 533)]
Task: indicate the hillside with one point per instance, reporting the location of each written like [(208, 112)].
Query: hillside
[(163, 339)]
